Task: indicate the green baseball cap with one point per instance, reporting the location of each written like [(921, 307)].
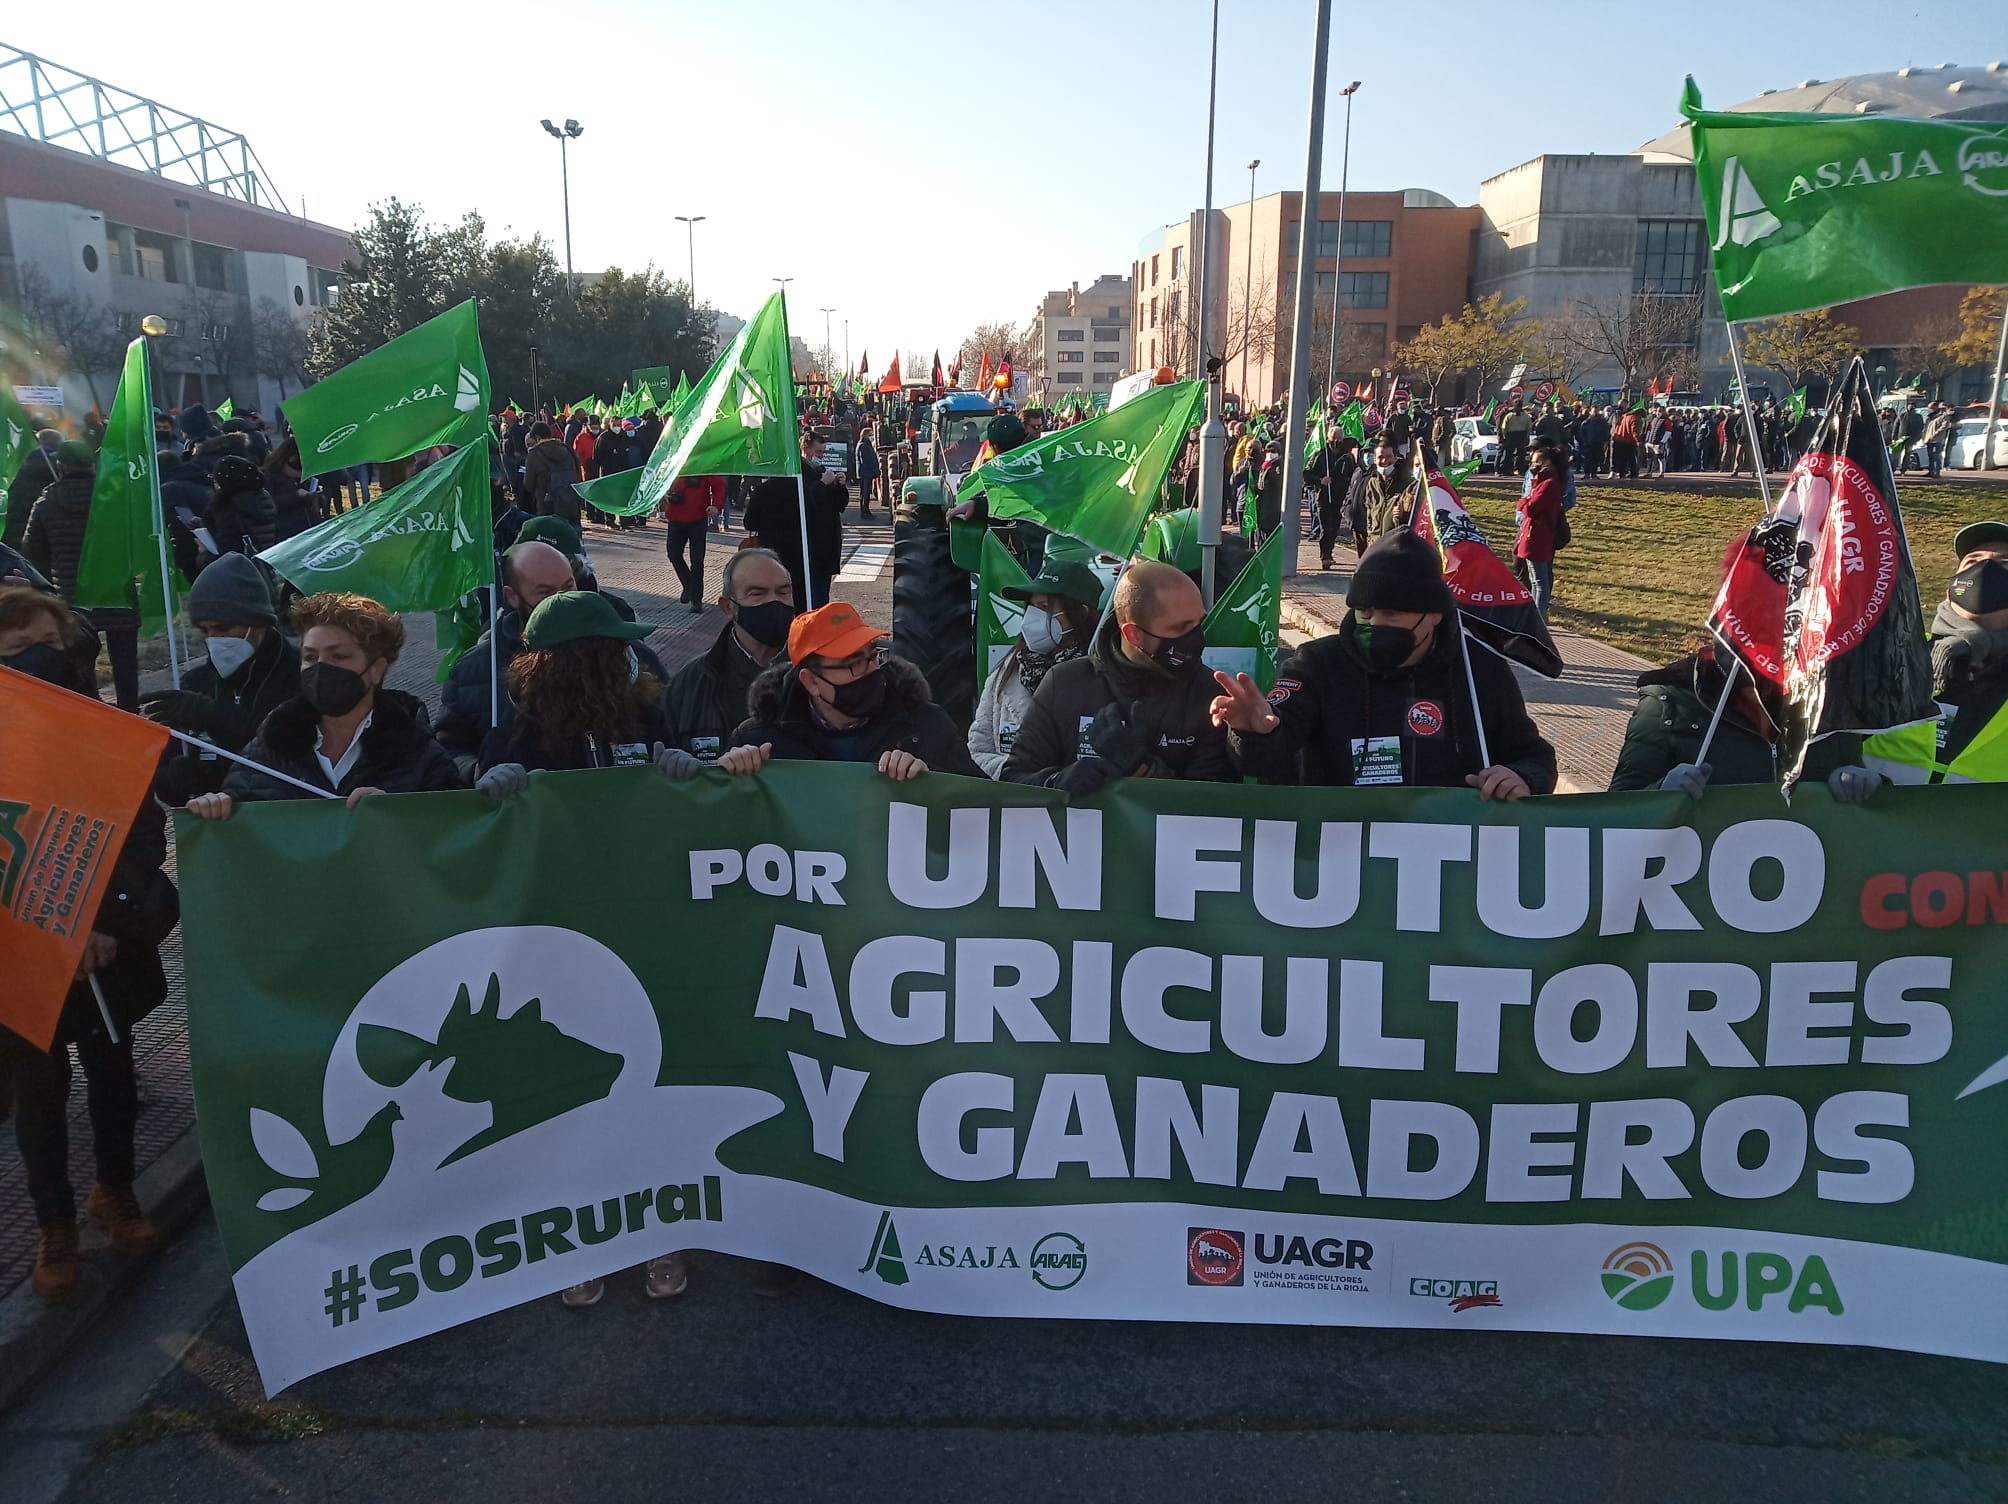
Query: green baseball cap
[(572, 614), (1067, 577), (1978, 535), (555, 531)]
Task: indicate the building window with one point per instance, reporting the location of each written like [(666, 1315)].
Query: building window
[(1107, 336), (1070, 357), (1177, 262), (1107, 357), (1153, 271), (212, 267), (1115, 310), (1070, 336), (1363, 289), (1153, 313), (1667, 258), (1367, 238), (1069, 378), (153, 264), (1173, 305)]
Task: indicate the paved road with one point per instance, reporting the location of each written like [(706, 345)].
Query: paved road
[(725, 1396)]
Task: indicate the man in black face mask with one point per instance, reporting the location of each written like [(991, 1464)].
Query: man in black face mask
[(1136, 705), (1384, 700), (836, 698), (1969, 676), (707, 698)]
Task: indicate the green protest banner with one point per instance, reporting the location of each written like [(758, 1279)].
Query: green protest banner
[(998, 617), (428, 386), (1245, 624), (1627, 1063), (657, 378), (122, 561)]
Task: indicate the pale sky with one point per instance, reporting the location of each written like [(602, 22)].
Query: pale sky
[(933, 164)]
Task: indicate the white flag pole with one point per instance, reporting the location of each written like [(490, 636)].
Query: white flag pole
[(1471, 683), (159, 512), (104, 1008), (802, 511), (1763, 490), (494, 657), (200, 744)]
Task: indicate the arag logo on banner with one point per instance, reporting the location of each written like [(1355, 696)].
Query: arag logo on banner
[(1057, 1261)]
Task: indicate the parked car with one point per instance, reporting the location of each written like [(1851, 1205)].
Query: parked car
[(1475, 439), (1963, 453)]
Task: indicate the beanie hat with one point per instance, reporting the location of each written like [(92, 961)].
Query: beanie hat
[(1005, 432), (1401, 572), (232, 590), (75, 454), (236, 473), (555, 531)]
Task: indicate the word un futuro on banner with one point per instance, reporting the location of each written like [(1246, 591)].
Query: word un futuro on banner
[(1613, 1063)]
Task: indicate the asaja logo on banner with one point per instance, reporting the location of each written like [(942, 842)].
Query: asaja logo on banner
[(1214, 1256), (1058, 1261), (1638, 1276)]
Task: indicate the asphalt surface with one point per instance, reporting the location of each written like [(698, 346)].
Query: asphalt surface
[(723, 1395)]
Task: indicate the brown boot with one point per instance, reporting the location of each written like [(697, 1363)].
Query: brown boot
[(55, 1276), (116, 1210)]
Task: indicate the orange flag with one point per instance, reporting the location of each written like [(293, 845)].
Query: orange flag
[(73, 777)]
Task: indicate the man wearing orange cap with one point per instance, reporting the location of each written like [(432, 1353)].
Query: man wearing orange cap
[(838, 698)]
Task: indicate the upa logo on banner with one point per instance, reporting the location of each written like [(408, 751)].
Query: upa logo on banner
[(1640, 1277)]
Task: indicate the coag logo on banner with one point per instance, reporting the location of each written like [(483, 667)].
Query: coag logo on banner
[(1058, 1261), (1640, 1277), (1462, 1294), (1214, 1256)]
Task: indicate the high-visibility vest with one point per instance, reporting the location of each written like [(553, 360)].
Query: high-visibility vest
[(1911, 755)]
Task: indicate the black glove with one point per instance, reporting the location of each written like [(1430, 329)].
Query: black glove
[(182, 709), (1116, 739), (1079, 779)]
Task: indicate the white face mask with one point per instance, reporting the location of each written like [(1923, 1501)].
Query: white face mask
[(1043, 632), (229, 654), (1380, 469)]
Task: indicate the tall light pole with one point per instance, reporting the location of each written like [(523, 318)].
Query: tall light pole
[(827, 342), (1297, 393), (847, 349), (1248, 280), (1213, 433), (690, 222), (570, 131), (1339, 248)]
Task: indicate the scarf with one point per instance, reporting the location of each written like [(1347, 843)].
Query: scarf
[(1032, 667), (1962, 650)]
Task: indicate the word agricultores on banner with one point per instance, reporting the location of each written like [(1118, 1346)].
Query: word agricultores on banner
[(1619, 1063)]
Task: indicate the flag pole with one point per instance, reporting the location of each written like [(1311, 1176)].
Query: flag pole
[(211, 747), (104, 1008), (159, 522), (494, 658), (802, 512), (1471, 683), (1763, 490)]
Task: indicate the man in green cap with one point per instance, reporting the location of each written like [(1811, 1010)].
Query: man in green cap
[(1968, 743)]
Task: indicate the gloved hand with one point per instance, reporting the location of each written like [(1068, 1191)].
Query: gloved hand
[(1084, 776), (1117, 739), (1689, 778), (675, 764), (182, 709), (1852, 785), (504, 779)]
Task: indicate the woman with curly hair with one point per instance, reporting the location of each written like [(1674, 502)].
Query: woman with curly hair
[(584, 699), (344, 732)]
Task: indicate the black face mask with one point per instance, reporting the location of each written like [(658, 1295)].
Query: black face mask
[(1177, 654), (40, 661), (861, 698), (766, 623), (331, 689), (1981, 588), (1384, 648)]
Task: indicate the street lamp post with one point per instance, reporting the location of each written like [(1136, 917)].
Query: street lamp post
[(690, 222), (570, 131), (1339, 249), (828, 344), (154, 327), (1248, 282)]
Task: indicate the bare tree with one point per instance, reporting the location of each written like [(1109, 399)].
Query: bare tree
[(1929, 352), (1250, 327), (278, 344), (1637, 334), (83, 330)]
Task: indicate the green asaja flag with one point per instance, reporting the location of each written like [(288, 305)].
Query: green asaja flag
[(1459, 474), (616, 494), (1798, 404), (17, 439), (122, 538), (1352, 418), (226, 410), (427, 387), (1245, 625), (998, 617), (421, 547), (676, 398), (740, 419), (1805, 211), (1097, 480)]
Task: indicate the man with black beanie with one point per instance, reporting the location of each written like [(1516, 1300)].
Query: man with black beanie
[(1385, 699)]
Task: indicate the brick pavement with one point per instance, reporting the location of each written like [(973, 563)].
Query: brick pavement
[(634, 565), (1583, 713)]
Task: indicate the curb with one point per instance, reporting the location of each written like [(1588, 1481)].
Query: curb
[(35, 1335)]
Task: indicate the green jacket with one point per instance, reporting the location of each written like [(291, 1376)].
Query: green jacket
[(1674, 706)]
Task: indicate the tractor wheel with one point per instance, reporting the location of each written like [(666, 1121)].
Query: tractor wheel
[(933, 611)]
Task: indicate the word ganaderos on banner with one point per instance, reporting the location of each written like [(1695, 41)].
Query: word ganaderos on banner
[(1396, 1058)]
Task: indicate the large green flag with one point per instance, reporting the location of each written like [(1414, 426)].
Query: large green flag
[(998, 617), (122, 544), (421, 547), (615, 494), (740, 419), (1805, 211), (427, 387), (17, 439), (1798, 404), (1245, 625), (676, 398), (1352, 418), (1096, 480)]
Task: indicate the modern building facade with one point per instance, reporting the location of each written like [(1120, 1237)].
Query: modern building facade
[(1399, 260), (1082, 336)]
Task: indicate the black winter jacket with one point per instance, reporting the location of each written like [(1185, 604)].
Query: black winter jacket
[(244, 522), (227, 712), (1413, 726), (777, 712), (55, 539), (775, 515), (522, 741), (707, 697), (399, 754), (467, 696), (1666, 728), (36, 471), (1184, 741)]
